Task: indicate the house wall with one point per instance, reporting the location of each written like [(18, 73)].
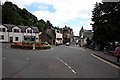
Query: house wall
[(60, 40), (37, 37), (5, 34), (19, 35), (16, 34)]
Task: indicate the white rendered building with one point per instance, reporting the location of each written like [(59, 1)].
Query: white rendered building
[(13, 33)]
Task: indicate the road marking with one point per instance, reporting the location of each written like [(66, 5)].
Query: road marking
[(105, 61), (82, 49), (77, 48), (3, 58), (27, 58), (67, 65)]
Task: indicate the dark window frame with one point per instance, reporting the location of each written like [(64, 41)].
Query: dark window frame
[(16, 30), (16, 38), (29, 31), (2, 30), (2, 37)]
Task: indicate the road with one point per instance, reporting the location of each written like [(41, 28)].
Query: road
[(58, 62)]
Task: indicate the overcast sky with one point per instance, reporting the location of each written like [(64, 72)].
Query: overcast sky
[(72, 13)]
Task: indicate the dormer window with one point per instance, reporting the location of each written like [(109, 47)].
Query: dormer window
[(29, 31), (2, 29), (16, 30)]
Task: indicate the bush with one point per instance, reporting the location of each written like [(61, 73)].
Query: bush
[(30, 46)]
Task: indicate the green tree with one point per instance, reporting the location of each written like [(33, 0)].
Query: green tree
[(48, 25), (12, 14), (106, 21), (41, 24), (9, 13)]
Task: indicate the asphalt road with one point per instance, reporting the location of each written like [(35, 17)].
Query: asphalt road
[(59, 62)]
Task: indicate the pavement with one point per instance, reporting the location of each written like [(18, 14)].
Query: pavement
[(107, 57)]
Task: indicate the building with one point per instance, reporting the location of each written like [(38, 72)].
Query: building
[(52, 36), (58, 37), (13, 33), (48, 36), (67, 34), (83, 35)]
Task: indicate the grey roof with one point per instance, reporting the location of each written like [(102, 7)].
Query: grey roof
[(35, 29), (50, 33), (9, 27), (23, 28)]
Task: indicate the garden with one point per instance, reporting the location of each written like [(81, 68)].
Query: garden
[(30, 45)]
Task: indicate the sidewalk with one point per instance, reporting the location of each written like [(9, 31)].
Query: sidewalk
[(107, 57)]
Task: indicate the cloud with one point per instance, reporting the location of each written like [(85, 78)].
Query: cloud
[(74, 13)]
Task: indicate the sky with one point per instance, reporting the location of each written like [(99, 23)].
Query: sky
[(72, 13)]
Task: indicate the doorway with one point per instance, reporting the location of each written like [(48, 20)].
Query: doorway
[(11, 39)]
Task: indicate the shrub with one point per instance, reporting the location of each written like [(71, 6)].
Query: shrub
[(30, 46)]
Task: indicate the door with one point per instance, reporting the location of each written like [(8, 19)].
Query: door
[(11, 39)]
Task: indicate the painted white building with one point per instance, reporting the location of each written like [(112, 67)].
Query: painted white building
[(3, 34), (13, 33), (58, 38)]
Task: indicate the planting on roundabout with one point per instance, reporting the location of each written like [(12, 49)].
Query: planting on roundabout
[(30, 45)]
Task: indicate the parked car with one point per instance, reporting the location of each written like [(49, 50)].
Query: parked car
[(68, 44)]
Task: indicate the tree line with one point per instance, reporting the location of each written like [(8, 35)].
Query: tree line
[(12, 14), (106, 23)]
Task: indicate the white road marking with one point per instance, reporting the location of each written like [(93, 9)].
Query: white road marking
[(27, 58), (105, 61), (3, 58), (7, 47), (77, 48), (67, 65)]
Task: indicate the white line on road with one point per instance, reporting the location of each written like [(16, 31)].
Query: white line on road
[(67, 65), (77, 48), (105, 61), (27, 58), (3, 58)]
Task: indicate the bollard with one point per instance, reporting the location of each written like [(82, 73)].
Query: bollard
[(33, 46)]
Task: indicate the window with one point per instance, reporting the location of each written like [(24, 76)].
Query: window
[(29, 31), (25, 38), (16, 38), (2, 29), (2, 37), (16, 30)]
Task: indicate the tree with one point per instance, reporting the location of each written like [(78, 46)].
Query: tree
[(106, 23), (41, 24), (48, 25), (14, 15), (10, 15)]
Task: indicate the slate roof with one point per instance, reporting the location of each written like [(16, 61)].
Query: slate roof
[(50, 33), (9, 27), (35, 29), (23, 28)]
